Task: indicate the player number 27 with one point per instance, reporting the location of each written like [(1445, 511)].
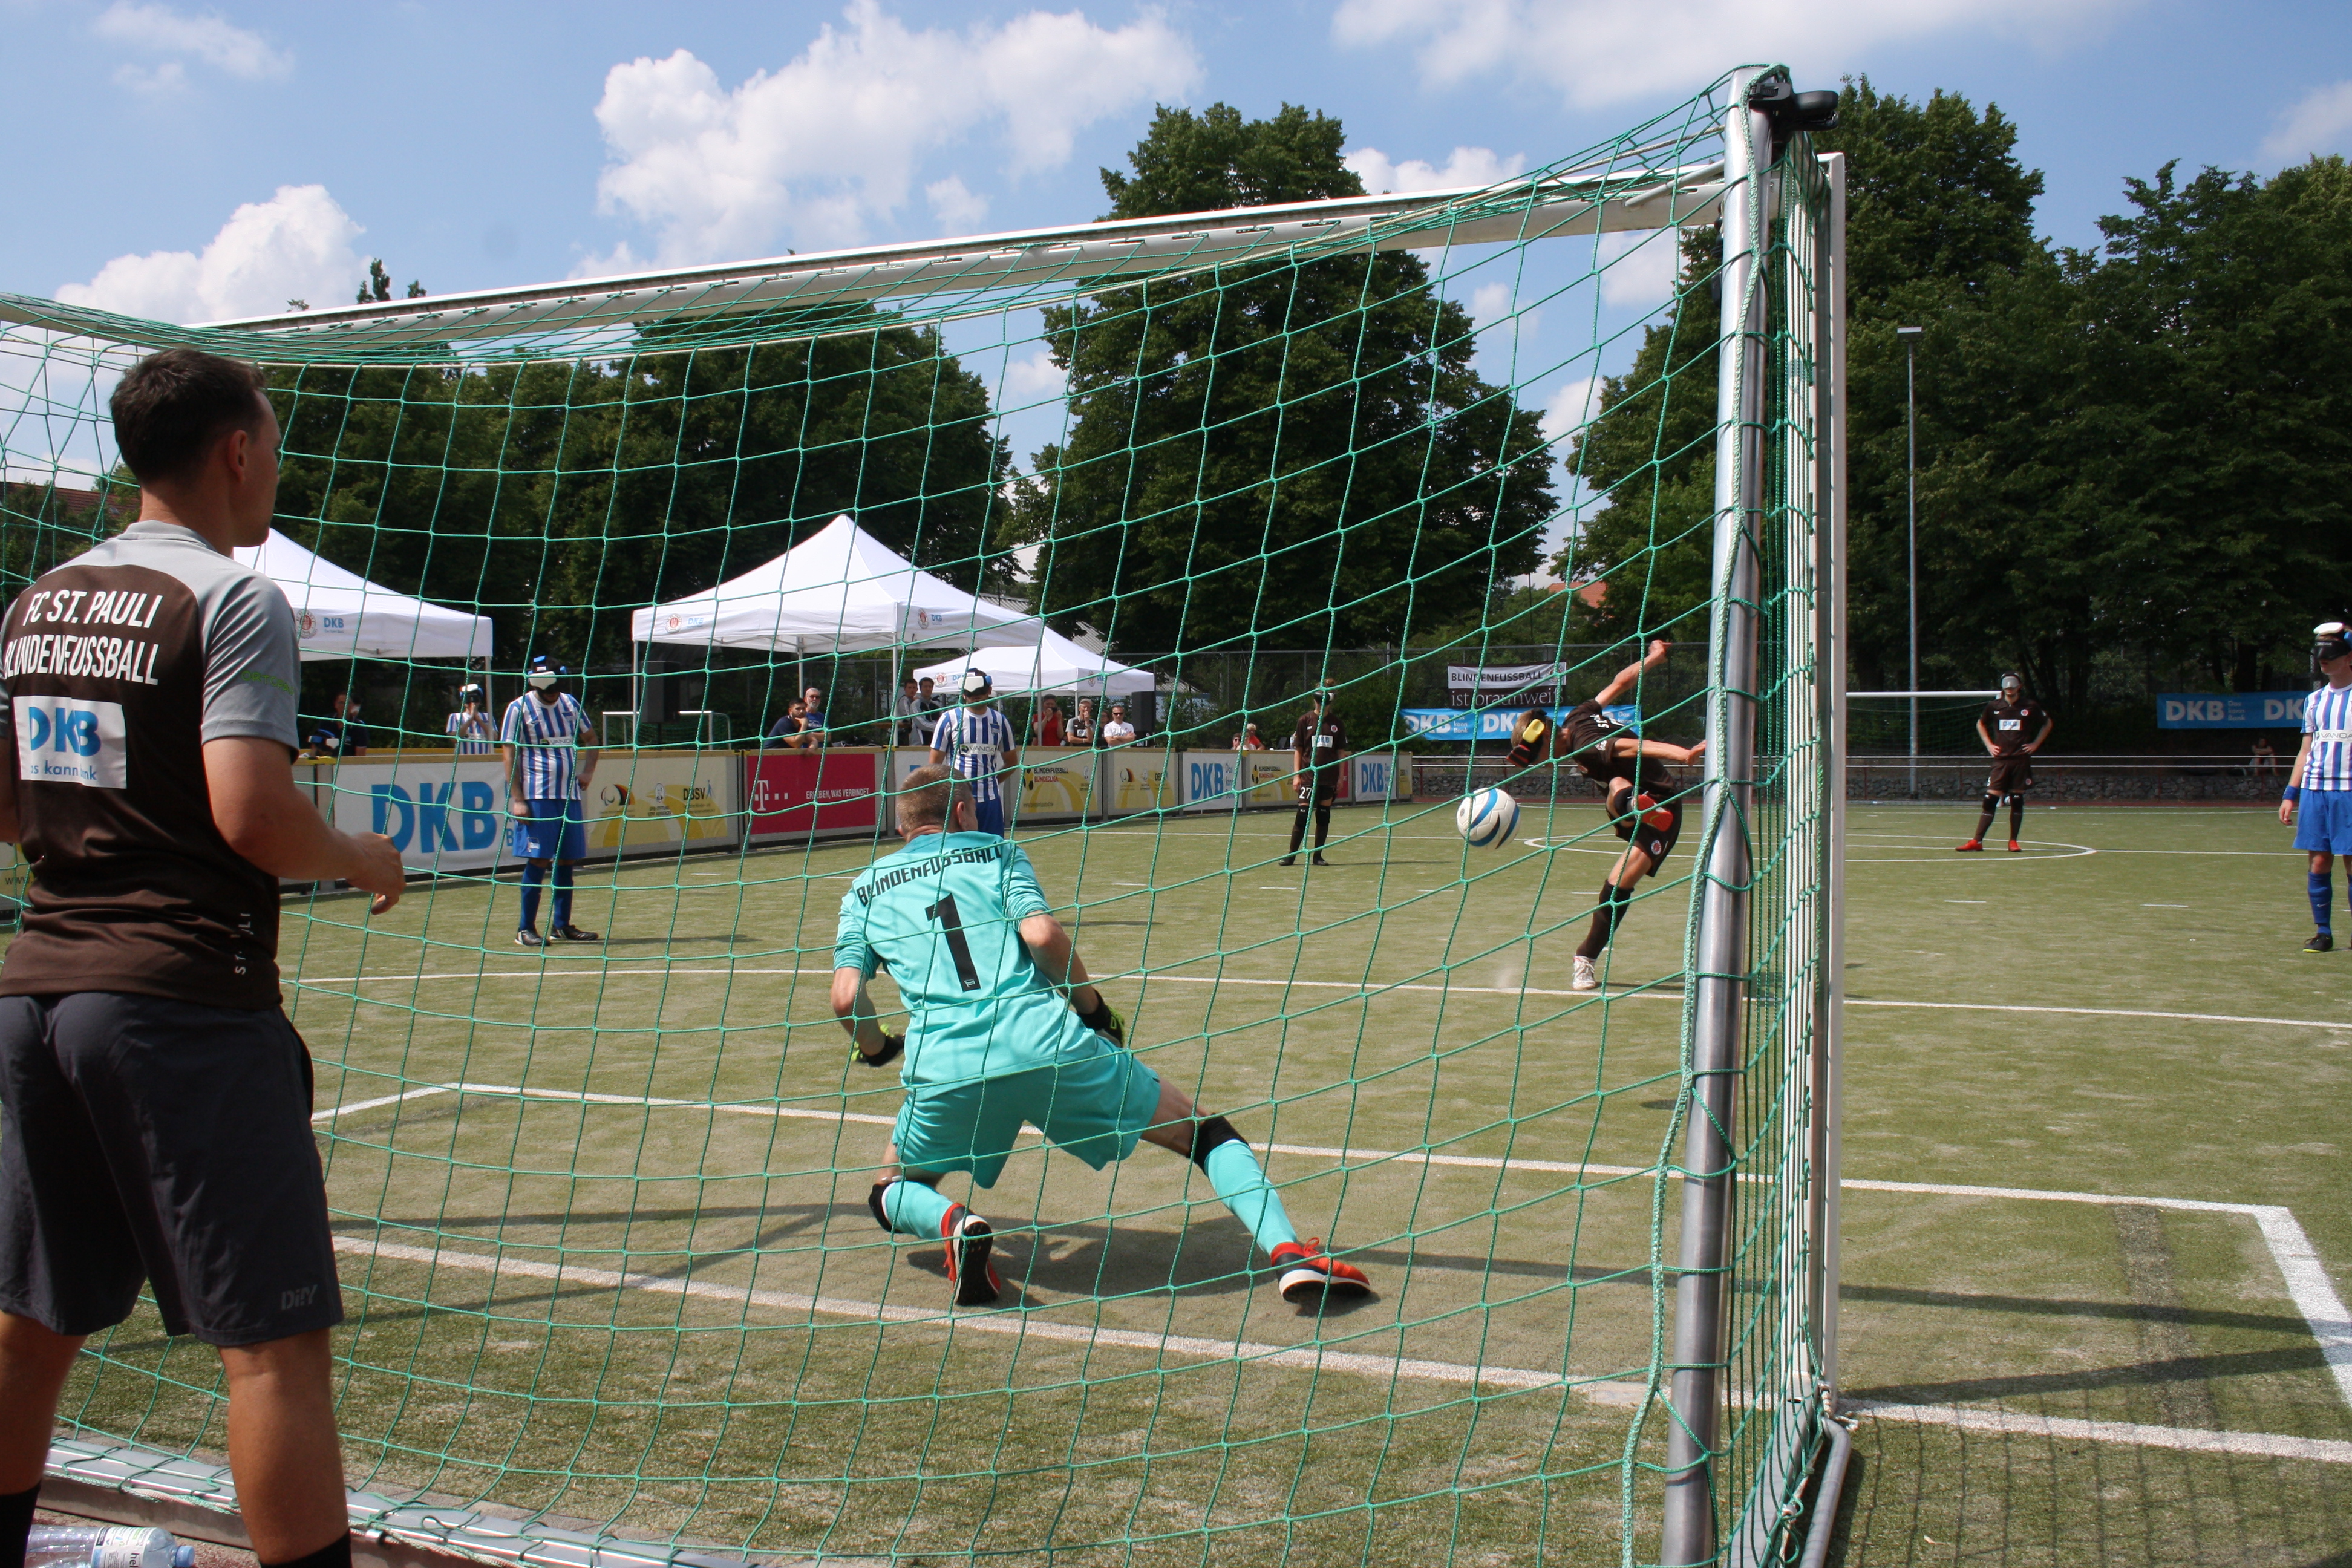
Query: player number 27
[(944, 911)]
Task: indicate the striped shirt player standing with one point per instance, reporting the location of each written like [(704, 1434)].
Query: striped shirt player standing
[(2318, 798), (469, 727), (978, 741), (546, 770)]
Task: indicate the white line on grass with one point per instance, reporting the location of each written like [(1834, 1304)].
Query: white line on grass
[(1032, 1325), (2306, 1279)]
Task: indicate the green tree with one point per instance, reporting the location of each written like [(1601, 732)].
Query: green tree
[(1300, 455)]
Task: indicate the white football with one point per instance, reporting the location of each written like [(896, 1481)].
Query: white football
[(1486, 817)]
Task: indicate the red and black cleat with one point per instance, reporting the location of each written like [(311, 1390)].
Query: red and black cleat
[(971, 1277), (1307, 1275)]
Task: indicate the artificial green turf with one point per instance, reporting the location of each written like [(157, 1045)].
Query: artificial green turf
[(1306, 1005)]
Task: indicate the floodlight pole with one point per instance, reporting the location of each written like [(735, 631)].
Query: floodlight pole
[(1910, 336), (1718, 979)]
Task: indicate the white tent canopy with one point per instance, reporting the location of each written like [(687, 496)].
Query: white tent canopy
[(1052, 664), (341, 614), (838, 591)]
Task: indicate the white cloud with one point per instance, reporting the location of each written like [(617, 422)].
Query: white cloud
[(956, 208), (1036, 379), (1468, 166), (2320, 123), (1573, 404), (297, 245), (832, 142), (152, 81), (1602, 52), (227, 48), (1638, 270)]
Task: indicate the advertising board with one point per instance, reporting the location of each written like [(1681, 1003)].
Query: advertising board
[(1058, 784), (1380, 775), (2230, 710), (1135, 779), (799, 795), (641, 801), (1213, 780), (445, 813)]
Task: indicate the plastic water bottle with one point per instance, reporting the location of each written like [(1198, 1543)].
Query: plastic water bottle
[(105, 1546)]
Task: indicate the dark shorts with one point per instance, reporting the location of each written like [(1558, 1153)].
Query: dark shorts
[(1657, 843), (1319, 788), (2010, 775), (143, 1138), (554, 830)]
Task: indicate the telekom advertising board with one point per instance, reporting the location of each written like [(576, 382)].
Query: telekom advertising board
[(800, 794)]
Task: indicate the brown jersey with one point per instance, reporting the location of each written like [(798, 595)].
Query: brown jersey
[(2012, 724), (1586, 732), (1322, 740), (119, 666)]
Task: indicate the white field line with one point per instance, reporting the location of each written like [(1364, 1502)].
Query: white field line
[(2307, 1284), (1611, 1394), (1375, 987), (2059, 1428)]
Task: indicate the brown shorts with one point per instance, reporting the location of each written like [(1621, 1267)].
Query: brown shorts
[(2011, 775)]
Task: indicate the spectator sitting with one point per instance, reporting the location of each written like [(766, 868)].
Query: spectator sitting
[(907, 711), (813, 718), (2265, 759), (1049, 723), (789, 731), (341, 736), (1080, 730), (1251, 739), (1117, 731)]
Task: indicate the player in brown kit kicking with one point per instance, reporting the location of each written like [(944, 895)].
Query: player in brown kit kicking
[(1644, 804)]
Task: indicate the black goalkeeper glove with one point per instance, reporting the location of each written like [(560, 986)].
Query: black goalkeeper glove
[(1105, 1020), (894, 1045)]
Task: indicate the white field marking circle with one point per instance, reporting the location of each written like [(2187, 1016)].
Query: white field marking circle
[(2036, 849), (1574, 846)]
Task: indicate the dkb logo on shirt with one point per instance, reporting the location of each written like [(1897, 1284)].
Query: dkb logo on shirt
[(60, 740)]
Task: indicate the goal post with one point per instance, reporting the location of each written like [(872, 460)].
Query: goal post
[(613, 1288)]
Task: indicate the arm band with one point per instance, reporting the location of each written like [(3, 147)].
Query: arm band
[(2293, 792)]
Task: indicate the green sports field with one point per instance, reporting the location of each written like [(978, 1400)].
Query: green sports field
[(607, 1252)]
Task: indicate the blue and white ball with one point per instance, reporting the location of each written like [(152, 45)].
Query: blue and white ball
[(1487, 817)]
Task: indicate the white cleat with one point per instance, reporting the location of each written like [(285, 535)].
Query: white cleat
[(1584, 979)]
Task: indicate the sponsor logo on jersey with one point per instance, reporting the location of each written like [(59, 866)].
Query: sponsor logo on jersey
[(60, 740)]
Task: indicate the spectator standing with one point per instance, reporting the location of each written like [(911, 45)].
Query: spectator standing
[(548, 771), (142, 1038), (978, 742), (1116, 729), (1049, 723), (341, 736), (908, 710), (813, 718), (1251, 739), (790, 729), (1080, 730), (932, 704), (470, 728)]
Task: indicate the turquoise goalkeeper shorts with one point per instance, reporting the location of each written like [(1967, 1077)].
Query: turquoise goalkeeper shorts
[(1095, 1104)]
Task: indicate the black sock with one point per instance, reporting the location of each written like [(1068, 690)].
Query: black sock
[(1612, 903), (1322, 827), (2016, 815), (1984, 823), (1298, 829), (336, 1554), (16, 1523)]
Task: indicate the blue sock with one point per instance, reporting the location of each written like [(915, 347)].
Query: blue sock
[(1234, 1172), (562, 900), (915, 1209), (533, 874), (2321, 897)]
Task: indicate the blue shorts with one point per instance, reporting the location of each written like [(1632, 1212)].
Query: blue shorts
[(555, 831), (1095, 1105), (991, 814), (2323, 820)]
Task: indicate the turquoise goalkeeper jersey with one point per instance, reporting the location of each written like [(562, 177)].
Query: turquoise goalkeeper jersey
[(943, 915)]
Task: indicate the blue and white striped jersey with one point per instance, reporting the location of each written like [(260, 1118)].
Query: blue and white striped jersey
[(974, 744), (472, 731), (2327, 720), (548, 734)]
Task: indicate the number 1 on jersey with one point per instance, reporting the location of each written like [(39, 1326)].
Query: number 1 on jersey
[(944, 911)]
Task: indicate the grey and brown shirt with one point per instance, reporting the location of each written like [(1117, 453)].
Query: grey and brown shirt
[(119, 666)]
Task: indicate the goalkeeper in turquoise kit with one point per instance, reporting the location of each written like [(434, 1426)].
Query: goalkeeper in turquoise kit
[(1005, 1028)]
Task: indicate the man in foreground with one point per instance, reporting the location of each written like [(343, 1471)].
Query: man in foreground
[(548, 771), (2319, 785), (2004, 726), (1005, 1028), (1643, 803), (154, 1101)]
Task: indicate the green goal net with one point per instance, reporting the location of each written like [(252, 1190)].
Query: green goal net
[(608, 1267)]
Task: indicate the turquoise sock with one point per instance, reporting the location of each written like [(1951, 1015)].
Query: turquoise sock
[(915, 1209), (1234, 1172)]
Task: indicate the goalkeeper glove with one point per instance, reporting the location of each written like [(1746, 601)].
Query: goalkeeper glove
[(1531, 742), (894, 1045), (1105, 1020)]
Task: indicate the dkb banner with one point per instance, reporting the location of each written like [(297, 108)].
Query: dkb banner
[(448, 815), (2237, 710)]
